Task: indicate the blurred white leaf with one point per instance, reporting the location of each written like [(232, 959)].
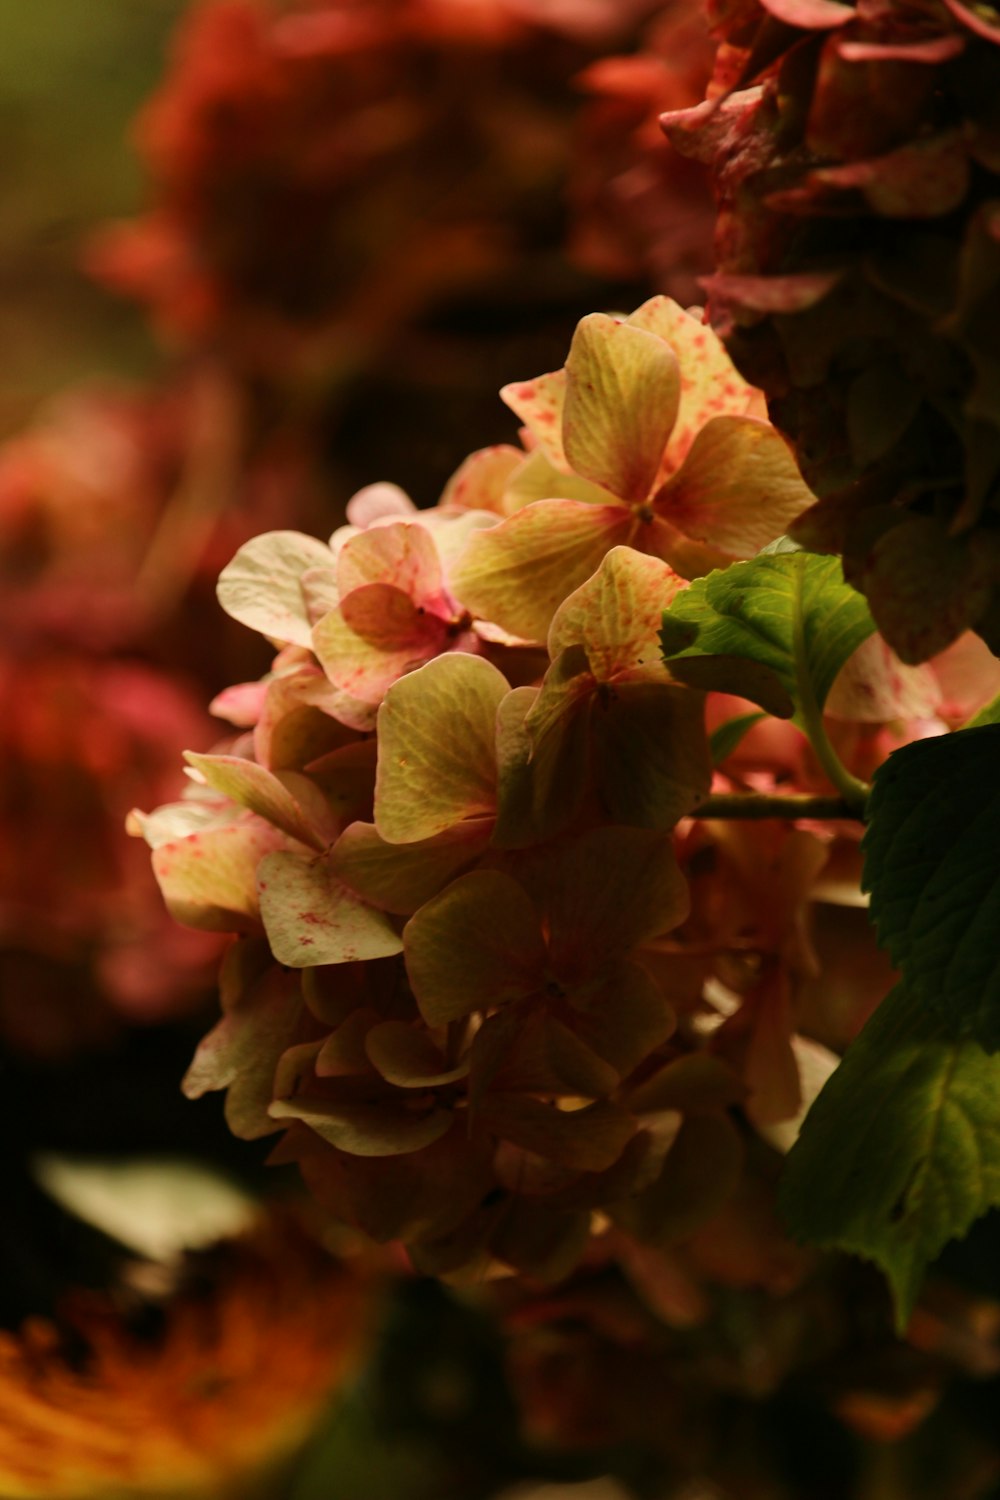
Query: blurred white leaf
[(155, 1206)]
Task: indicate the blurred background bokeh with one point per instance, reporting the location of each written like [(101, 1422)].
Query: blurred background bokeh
[(72, 76)]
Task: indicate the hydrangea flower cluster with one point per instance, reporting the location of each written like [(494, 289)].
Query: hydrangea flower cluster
[(326, 174), (638, 210), (854, 156), (494, 978)]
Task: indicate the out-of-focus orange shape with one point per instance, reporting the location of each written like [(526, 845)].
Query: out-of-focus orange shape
[(884, 1418), (259, 1334)]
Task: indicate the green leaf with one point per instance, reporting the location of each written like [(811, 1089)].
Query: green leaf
[(900, 1153), (790, 615), (310, 918), (931, 867), (724, 740), (262, 585), (988, 714), (734, 674)]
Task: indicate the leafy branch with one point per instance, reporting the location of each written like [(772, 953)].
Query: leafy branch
[(775, 630), (760, 805), (901, 1152), (809, 704)]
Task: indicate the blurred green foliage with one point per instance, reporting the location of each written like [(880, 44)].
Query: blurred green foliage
[(72, 75)]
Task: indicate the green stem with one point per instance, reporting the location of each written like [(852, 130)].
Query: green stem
[(767, 805), (853, 791)]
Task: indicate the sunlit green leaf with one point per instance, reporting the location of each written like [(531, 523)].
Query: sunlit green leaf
[(790, 615), (989, 714)]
